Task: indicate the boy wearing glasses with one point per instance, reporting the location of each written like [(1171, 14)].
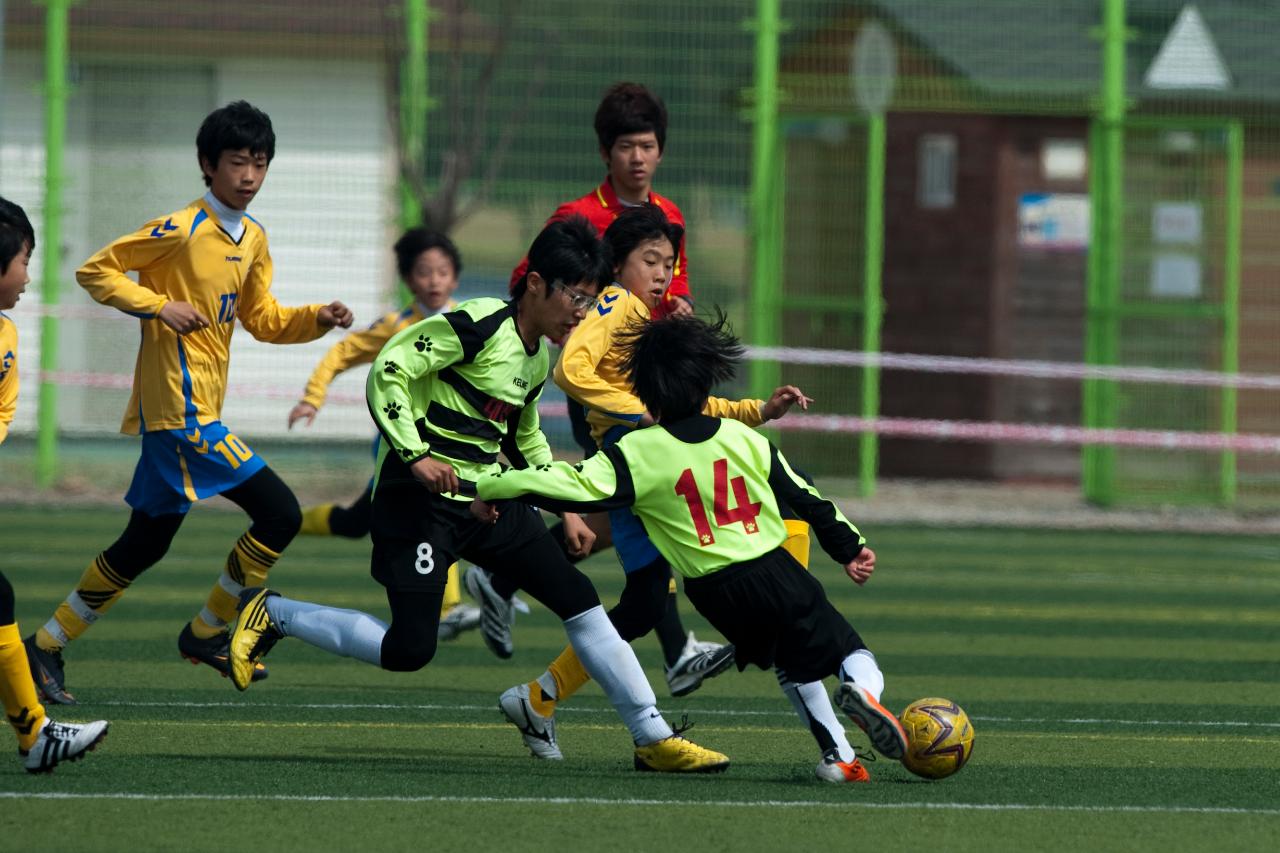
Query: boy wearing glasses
[(448, 394)]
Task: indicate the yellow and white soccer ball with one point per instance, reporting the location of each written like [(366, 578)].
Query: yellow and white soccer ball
[(939, 737)]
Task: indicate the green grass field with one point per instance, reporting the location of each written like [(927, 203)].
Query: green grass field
[(1124, 688)]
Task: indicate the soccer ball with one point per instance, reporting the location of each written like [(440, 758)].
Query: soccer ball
[(939, 737)]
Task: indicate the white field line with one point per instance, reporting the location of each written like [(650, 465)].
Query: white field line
[(665, 804), (710, 712)]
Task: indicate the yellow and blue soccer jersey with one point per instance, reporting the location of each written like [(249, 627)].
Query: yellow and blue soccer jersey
[(590, 369), (360, 348), (8, 374), (179, 382)]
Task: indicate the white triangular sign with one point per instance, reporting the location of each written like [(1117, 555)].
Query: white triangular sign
[(1188, 59)]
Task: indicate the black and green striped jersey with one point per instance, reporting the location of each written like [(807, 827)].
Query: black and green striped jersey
[(460, 387), (706, 489)]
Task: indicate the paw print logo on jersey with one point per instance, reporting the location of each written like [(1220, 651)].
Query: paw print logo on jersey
[(392, 410), (544, 467), (578, 467), (422, 344), (391, 368)]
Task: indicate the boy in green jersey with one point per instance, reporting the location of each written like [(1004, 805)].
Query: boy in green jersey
[(708, 491), (448, 394)]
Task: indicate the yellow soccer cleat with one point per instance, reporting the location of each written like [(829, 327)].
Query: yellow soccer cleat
[(253, 637), (676, 754)]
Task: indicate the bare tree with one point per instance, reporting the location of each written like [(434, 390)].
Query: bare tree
[(468, 167)]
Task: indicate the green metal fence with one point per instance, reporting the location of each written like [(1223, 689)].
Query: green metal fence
[(1082, 181)]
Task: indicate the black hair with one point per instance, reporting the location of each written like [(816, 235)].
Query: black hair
[(237, 125), (14, 216), (630, 108), (415, 241), (673, 363), (636, 225), (566, 252), (16, 233)]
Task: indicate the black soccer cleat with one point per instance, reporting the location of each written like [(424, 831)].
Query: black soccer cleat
[(48, 673), (214, 652)]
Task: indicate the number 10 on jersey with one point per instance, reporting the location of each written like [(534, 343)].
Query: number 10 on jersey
[(744, 510)]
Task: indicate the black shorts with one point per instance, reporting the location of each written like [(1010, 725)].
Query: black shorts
[(417, 535), (777, 615)]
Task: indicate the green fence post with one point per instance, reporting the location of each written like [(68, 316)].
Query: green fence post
[(413, 102), (766, 198), (1231, 302), (873, 309), (1105, 268), (55, 133)]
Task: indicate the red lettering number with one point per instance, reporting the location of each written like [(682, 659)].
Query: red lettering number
[(744, 510), (687, 488)]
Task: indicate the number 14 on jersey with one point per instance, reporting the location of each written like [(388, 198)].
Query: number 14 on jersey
[(743, 510)]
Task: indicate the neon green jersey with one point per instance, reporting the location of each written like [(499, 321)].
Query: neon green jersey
[(706, 489), (456, 386)]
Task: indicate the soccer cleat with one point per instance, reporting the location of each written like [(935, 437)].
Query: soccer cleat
[(253, 637), (496, 613), (697, 662), (460, 618), (48, 673), (677, 754), (212, 651), (58, 742), (832, 769), (886, 733), (539, 732)]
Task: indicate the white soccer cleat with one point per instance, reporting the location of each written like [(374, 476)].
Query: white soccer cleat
[(460, 619), (497, 614), (58, 742), (539, 732), (698, 661)]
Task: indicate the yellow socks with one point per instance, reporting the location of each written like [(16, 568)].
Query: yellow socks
[(17, 692), (568, 675), (100, 587), (452, 591), (247, 565), (315, 520), (797, 542)]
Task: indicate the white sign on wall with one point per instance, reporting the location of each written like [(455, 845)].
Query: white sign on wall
[(1176, 222), (1175, 275), (1053, 220)]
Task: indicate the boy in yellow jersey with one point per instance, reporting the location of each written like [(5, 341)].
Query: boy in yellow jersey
[(429, 265), (200, 270), (643, 244), (708, 491), (42, 743)]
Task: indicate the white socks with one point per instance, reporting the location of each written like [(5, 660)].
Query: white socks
[(609, 660), (860, 668), (350, 633), (813, 704)]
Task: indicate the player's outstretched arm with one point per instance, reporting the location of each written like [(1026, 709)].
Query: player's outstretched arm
[(837, 536), (781, 401), (600, 483), (104, 276)]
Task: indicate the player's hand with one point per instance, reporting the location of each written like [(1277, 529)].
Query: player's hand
[(335, 314), (182, 317), (678, 306), (859, 569), (484, 511), (437, 476), (782, 400), (578, 537), (301, 411)]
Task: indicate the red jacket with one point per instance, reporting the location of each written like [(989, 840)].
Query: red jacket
[(601, 207)]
